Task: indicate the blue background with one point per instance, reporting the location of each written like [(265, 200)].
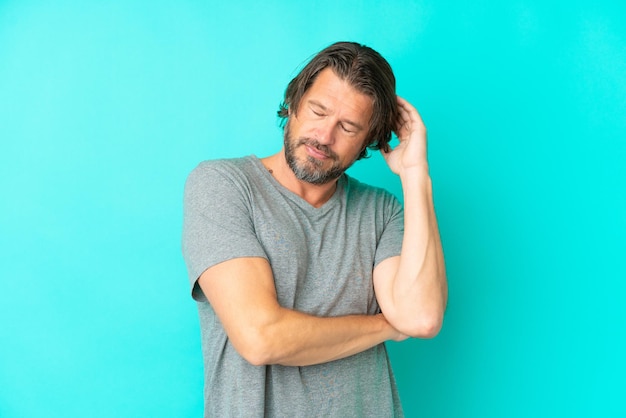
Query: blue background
[(106, 106)]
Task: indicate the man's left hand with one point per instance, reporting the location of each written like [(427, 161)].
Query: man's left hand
[(411, 132)]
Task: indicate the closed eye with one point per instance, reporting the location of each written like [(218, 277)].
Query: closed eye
[(346, 130), (317, 112)]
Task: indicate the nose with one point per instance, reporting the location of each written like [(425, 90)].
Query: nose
[(326, 132)]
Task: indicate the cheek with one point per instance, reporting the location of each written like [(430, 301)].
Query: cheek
[(350, 153), (301, 129)]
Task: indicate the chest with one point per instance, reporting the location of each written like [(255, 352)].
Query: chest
[(322, 263)]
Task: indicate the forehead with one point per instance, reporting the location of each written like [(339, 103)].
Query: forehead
[(338, 95)]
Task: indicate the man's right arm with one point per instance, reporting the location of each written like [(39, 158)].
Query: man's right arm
[(243, 295)]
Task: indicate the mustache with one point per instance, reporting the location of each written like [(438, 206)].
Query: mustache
[(320, 147)]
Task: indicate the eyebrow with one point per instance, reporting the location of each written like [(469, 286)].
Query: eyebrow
[(324, 108)]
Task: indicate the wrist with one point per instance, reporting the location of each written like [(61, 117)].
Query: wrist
[(416, 176), (419, 171)]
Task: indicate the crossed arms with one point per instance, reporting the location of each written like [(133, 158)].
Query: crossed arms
[(411, 288)]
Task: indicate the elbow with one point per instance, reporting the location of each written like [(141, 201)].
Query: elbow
[(255, 357), (427, 329), (261, 342), (256, 360), (424, 326), (256, 348)]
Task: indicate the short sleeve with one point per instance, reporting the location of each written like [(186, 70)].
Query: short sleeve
[(390, 241), (218, 220)]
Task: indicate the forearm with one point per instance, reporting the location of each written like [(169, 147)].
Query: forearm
[(263, 332), (419, 288), (298, 339), (421, 261)]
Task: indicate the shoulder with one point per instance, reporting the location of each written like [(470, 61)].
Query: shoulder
[(220, 179), (356, 190), (370, 202), (230, 170), (224, 167)]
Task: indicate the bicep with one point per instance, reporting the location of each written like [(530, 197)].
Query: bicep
[(243, 295)]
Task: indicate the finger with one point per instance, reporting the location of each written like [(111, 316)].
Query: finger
[(403, 123), (404, 104), (410, 110), (404, 113)]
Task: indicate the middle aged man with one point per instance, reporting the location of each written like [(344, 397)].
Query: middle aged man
[(302, 272)]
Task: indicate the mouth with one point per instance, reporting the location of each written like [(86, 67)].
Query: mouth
[(315, 153)]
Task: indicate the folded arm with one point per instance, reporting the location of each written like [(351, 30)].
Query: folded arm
[(243, 295), (412, 288)]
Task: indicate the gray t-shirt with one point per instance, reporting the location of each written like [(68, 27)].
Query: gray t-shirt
[(322, 260)]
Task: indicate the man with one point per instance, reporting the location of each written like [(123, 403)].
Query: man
[(301, 272)]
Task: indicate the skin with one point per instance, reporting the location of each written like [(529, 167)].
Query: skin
[(329, 130), (336, 117), (412, 289)]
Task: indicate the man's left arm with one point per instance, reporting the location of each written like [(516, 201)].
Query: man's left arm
[(411, 288)]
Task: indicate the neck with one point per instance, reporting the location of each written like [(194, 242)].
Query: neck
[(315, 195)]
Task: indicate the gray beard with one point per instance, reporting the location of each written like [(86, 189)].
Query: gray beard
[(311, 170)]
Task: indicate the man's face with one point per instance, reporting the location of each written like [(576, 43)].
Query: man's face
[(329, 130)]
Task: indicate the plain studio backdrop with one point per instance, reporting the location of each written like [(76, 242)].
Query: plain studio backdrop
[(105, 107)]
